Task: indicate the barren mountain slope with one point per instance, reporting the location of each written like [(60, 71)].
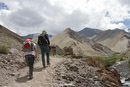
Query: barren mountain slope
[(9, 38), (115, 40), (80, 44), (9, 63)]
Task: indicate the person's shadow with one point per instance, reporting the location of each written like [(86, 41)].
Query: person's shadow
[(22, 79), (25, 78), (38, 69)]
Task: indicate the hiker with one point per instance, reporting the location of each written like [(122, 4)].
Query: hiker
[(44, 43), (30, 50)]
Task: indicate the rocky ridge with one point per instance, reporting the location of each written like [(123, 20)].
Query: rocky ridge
[(86, 73), (89, 32), (116, 40), (80, 44)]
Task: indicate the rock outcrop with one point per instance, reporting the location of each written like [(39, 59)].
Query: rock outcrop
[(86, 73), (68, 51), (108, 75)]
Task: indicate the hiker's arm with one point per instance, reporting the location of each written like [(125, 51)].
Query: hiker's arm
[(47, 39), (35, 51)]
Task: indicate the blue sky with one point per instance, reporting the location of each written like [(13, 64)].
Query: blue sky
[(126, 22), (54, 16), (3, 6)]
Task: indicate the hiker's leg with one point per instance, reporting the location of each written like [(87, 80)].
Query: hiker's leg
[(43, 54), (48, 58), (31, 63), (27, 61), (47, 53)]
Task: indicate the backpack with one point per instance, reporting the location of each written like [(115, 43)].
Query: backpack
[(28, 46), (41, 40)]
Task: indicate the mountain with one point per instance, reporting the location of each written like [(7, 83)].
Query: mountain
[(79, 43), (7, 36), (128, 30), (121, 30), (126, 52), (89, 32), (31, 35), (35, 35), (11, 62), (116, 40), (3, 6)]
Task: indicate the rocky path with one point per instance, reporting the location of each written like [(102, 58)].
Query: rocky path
[(42, 77), (64, 72)]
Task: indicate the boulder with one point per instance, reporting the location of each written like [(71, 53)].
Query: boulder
[(108, 75)]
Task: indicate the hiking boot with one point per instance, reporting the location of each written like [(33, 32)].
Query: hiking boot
[(30, 77), (44, 66), (48, 63)]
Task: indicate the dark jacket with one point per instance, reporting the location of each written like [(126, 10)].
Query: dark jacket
[(47, 38)]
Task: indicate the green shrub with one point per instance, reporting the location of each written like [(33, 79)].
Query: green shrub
[(108, 61), (100, 59), (4, 49)]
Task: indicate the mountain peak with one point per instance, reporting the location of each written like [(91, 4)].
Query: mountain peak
[(89, 32), (68, 30)]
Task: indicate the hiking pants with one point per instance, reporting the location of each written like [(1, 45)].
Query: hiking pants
[(30, 61), (45, 49)]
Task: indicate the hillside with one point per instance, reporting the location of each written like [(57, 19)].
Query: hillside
[(89, 32), (79, 43), (126, 52), (114, 39), (9, 37), (11, 62)]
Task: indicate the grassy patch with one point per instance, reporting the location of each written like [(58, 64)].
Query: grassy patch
[(4, 49), (81, 54), (100, 59), (9, 43), (108, 61)]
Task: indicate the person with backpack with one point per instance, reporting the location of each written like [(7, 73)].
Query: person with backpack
[(44, 43), (30, 50)]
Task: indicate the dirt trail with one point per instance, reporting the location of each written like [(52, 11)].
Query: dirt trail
[(42, 77)]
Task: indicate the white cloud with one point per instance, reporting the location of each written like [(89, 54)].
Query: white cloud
[(125, 2), (26, 18), (32, 16)]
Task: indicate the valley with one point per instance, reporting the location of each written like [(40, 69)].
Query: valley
[(93, 58)]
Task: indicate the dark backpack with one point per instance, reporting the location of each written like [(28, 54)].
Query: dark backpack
[(28, 46), (41, 40)]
